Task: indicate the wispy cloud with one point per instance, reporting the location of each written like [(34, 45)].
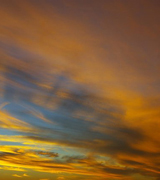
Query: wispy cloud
[(79, 89), (16, 175)]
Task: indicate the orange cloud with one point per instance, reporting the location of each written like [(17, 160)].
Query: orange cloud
[(82, 76), (16, 175)]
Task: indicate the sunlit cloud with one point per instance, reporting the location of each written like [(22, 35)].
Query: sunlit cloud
[(79, 90), (20, 176), (9, 168), (60, 178), (16, 175)]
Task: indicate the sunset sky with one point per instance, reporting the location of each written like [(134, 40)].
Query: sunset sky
[(80, 90)]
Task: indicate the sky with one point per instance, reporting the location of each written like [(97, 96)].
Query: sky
[(79, 90)]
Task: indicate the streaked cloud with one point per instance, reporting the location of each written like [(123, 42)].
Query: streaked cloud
[(16, 175), (79, 90), (60, 178)]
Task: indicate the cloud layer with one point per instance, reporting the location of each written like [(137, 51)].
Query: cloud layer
[(79, 90)]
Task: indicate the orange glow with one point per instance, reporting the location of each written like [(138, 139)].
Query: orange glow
[(79, 90)]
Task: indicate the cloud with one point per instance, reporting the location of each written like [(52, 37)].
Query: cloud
[(16, 175), (20, 176), (8, 168), (79, 89), (69, 165), (9, 122), (48, 154), (60, 178)]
